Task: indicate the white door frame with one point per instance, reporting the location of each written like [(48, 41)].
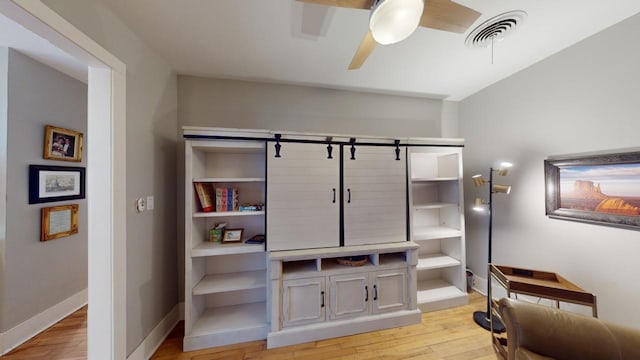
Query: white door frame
[(106, 177)]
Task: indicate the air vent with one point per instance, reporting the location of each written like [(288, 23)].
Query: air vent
[(495, 29)]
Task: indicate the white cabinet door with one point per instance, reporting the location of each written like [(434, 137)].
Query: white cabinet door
[(349, 295), (375, 196), (390, 290), (303, 301), (303, 200)]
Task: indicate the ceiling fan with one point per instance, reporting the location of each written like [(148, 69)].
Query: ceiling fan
[(392, 21)]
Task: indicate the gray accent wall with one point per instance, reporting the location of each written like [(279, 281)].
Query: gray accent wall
[(581, 100), (152, 131), (255, 105), (4, 72), (258, 105), (37, 275)]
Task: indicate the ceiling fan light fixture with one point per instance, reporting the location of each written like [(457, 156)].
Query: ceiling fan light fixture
[(392, 21)]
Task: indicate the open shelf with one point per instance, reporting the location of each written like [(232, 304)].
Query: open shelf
[(231, 318), (299, 266), (435, 205), (331, 264), (434, 179), (399, 258), (436, 290), (436, 261), (226, 213), (218, 283), (213, 249), (435, 232), (228, 180)]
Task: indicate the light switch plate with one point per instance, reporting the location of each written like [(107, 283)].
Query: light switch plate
[(150, 202)]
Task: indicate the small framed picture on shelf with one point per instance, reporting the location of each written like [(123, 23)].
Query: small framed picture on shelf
[(62, 144), (232, 236)]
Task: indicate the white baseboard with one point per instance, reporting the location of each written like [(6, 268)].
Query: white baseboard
[(480, 285), (17, 335), (152, 342)]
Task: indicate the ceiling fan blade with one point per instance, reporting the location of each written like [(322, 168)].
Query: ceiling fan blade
[(366, 47), (447, 16), (352, 4)]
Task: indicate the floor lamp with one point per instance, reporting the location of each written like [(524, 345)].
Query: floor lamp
[(484, 319)]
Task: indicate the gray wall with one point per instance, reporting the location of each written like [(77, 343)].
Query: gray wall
[(253, 105), (38, 275), (582, 99), (152, 288), (4, 78)]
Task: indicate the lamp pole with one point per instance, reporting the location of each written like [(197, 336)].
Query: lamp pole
[(486, 319)]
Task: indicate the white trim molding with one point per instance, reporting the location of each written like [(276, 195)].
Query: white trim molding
[(17, 335), (152, 342), (106, 177)]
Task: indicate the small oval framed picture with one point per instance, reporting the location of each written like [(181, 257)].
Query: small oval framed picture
[(62, 144)]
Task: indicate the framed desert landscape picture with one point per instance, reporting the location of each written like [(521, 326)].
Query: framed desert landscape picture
[(602, 189), (62, 144)]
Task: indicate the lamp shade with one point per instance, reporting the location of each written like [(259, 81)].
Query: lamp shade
[(478, 180), (504, 189), (394, 20), (504, 168), (478, 204)]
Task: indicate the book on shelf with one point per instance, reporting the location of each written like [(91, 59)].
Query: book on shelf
[(226, 199), (255, 239), (250, 207), (205, 197)]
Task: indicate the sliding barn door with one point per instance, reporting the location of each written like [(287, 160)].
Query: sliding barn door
[(375, 196), (303, 199)]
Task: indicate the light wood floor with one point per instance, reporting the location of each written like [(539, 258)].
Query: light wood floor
[(446, 334), (67, 339)]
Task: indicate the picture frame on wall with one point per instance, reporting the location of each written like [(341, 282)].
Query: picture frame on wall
[(59, 221), (62, 144), (232, 236), (601, 189), (55, 183)]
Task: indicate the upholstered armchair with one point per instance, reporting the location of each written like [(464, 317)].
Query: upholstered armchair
[(541, 332)]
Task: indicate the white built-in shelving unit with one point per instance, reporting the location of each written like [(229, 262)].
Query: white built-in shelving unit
[(225, 287), (397, 203), (437, 225)]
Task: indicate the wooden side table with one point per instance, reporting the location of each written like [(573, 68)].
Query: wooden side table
[(536, 283)]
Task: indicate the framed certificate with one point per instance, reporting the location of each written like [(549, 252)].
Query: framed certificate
[(59, 221)]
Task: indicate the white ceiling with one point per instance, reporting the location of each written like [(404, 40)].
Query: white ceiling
[(289, 42), (17, 37), (264, 40)]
